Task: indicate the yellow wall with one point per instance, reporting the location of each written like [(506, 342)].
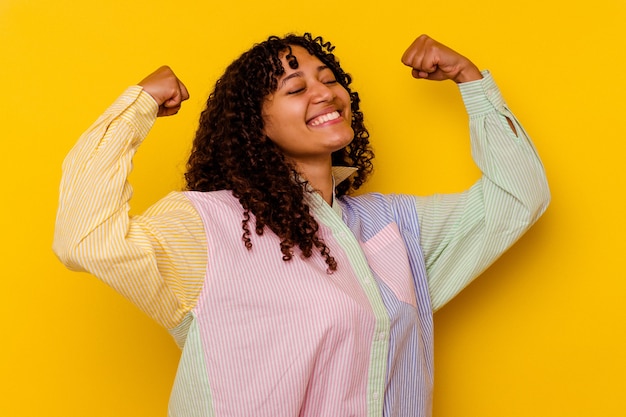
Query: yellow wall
[(542, 333)]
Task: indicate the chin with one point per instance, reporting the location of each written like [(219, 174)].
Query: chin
[(341, 145)]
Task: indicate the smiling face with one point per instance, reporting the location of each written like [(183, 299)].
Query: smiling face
[(308, 116)]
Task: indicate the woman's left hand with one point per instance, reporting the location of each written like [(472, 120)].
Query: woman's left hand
[(432, 60)]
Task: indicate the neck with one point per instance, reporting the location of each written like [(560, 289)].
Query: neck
[(320, 177)]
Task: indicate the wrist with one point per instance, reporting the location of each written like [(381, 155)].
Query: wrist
[(470, 73)]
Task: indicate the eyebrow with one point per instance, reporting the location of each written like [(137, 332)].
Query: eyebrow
[(299, 74)]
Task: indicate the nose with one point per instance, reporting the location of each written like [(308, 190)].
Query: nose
[(322, 92)]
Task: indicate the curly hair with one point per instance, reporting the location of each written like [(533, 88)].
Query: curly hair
[(231, 152)]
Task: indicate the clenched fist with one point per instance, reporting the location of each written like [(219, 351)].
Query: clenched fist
[(432, 60), (166, 89)]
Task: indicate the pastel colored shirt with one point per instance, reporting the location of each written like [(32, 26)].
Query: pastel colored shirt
[(266, 337)]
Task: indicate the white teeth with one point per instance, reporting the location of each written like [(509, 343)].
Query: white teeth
[(325, 118)]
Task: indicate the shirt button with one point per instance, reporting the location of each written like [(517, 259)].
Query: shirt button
[(375, 395), (381, 335)]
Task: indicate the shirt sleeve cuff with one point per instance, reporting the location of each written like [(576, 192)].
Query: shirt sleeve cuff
[(138, 108), (482, 96)]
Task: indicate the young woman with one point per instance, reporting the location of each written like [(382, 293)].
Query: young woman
[(289, 296)]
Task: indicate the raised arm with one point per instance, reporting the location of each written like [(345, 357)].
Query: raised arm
[(462, 234), (166, 89), (93, 230)]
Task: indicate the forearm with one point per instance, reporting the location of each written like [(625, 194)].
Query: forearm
[(502, 150), (94, 187), (462, 234)]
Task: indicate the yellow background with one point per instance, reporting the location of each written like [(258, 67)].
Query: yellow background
[(542, 333)]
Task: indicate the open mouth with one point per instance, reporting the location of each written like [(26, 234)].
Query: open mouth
[(324, 118)]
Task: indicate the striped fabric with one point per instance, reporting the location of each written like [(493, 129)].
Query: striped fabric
[(286, 339), (269, 337)]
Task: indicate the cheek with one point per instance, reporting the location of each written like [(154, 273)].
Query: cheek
[(280, 118), (270, 110), (267, 128), (271, 124), (348, 115), (276, 129), (346, 99)]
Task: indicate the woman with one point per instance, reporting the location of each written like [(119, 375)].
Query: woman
[(288, 296)]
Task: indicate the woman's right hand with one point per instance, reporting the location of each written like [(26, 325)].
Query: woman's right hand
[(166, 89)]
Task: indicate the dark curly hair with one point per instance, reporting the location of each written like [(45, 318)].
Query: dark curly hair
[(231, 152)]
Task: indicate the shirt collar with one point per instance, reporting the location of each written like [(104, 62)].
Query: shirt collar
[(340, 174)]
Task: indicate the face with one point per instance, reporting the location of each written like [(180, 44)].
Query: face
[(309, 116)]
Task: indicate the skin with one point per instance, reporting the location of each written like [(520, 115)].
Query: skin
[(429, 59), (313, 93), (166, 89), (297, 117)]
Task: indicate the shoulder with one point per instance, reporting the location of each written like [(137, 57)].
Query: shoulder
[(189, 201), (211, 199), (378, 202), (176, 201), (379, 210)]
